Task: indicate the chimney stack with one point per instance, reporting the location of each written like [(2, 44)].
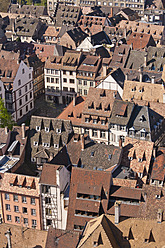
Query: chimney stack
[(145, 59), (120, 143), (159, 216), (74, 100), (126, 77), (141, 74), (153, 79), (6, 130), (23, 130), (8, 235), (82, 142), (117, 212), (154, 152)]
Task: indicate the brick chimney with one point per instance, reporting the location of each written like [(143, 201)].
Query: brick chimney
[(153, 79), (145, 59), (160, 216), (74, 100), (23, 130), (141, 74), (82, 142), (117, 212), (6, 130), (8, 235)]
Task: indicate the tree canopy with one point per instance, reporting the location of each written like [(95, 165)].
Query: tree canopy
[(5, 117)]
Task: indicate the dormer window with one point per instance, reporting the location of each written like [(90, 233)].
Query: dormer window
[(46, 129), (94, 121), (102, 122), (46, 144), (140, 160), (130, 158), (92, 154), (141, 90), (56, 146), (58, 130), (109, 156), (134, 89), (38, 128), (35, 143), (86, 120)]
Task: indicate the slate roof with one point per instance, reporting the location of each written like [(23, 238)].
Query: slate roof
[(58, 131), (121, 53), (77, 35), (96, 156), (67, 14), (8, 69), (100, 38), (31, 10), (121, 112)]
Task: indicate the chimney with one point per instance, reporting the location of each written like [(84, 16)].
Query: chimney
[(82, 142), (117, 212), (23, 130), (74, 100), (8, 235), (153, 79), (145, 196), (51, 156), (159, 216), (145, 59), (131, 46), (126, 77), (120, 143), (6, 130), (141, 74), (154, 152), (13, 25), (104, 70)]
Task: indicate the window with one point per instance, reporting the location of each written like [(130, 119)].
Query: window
[(19, 82), (25, 221), (25, 88), (71, 81), (33, 212), (52, 80), (24, 199), (24, 210), (8, 207), (26, 98), (16, 209), (30, 94), (7, 197), (65, 80), (47, 200), (102, 122), (94, 121), (79, 82), (15, 198), (19, 93), (29, 75), (85, 92), (87, 131), (85, 82), (86, 120), (34, 223), (31, 105), (71, 72), (48, 222), (122, 128), (91, 84), (8, 217), (94, 133), (48, 79), (48, 211), (33, 201), (64, 72), (27, 108), (20, 112), (17, 219), (102, 134), (20, 102), (23, 71)]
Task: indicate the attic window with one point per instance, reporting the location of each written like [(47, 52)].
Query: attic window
[(109, 156), (134, 89), (58, 130), (46, 129), (140, 160), (92, 154), (56, 146), (35, 143), (130, 158), (142, 118), (103, 94), (46, 144), (37, 128)]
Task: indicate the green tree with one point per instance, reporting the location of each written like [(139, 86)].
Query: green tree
[(5, 117)]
